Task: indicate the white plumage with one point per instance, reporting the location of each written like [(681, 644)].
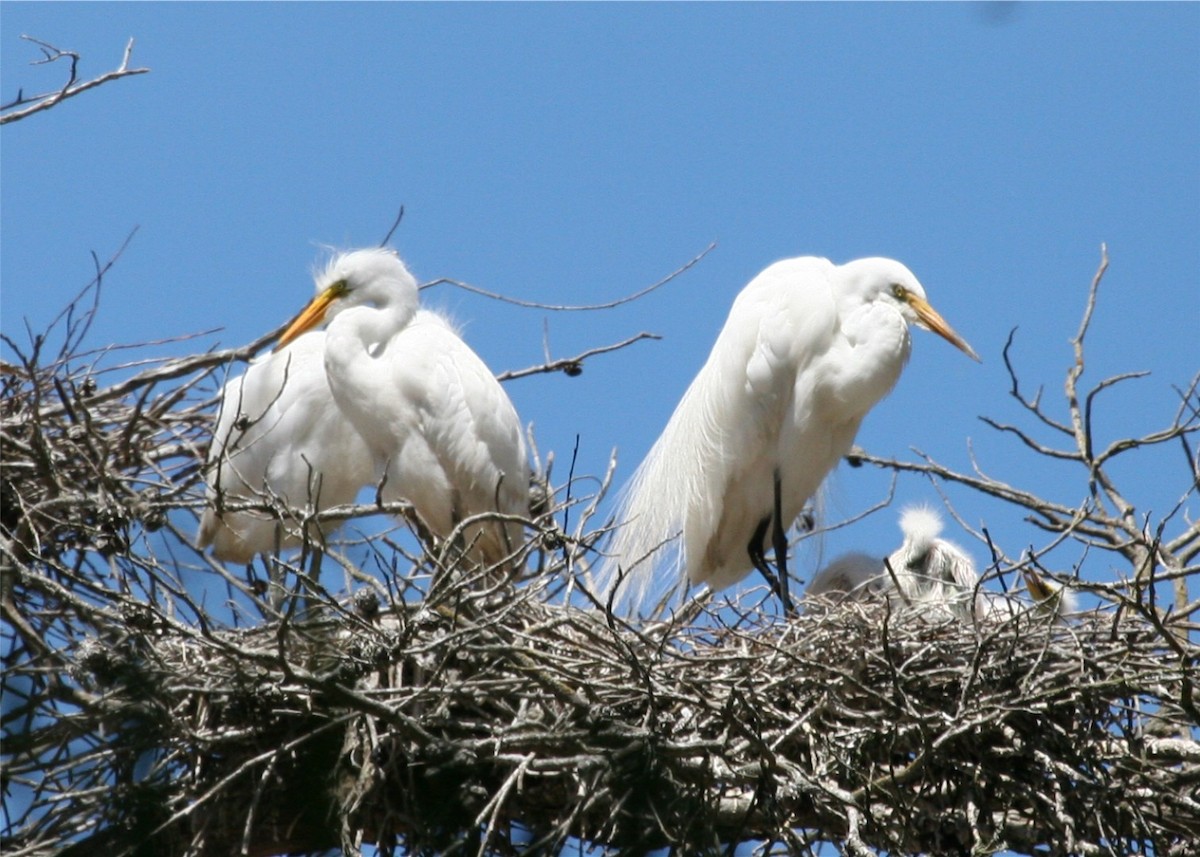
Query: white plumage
[(279, 437), (808, 348), (439, 426), (931, 573)]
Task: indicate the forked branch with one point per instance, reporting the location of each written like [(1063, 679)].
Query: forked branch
[(24, 106)]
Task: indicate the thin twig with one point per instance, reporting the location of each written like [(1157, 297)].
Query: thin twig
[(38, 103), (574, 307)]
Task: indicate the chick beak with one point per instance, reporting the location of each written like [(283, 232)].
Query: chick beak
[(932, 320), (309, 317), (1038, 588)]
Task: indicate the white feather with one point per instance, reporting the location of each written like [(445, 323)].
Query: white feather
[(388, 389), (921, 526), (808, 348)]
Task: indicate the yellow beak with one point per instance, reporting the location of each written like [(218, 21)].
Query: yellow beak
[(932, 320), (1038, 588), (311, 315)]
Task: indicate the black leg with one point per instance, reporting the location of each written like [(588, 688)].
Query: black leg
[(780, 546), (757, 551)]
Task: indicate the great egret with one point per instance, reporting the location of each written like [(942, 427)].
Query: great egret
[(440, 427), (808, 348), (279, 436)]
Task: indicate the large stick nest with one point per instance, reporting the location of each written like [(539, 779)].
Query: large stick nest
[(498, 719), (148, 711)]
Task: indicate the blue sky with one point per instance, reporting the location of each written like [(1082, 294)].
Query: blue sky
[(572, 153)]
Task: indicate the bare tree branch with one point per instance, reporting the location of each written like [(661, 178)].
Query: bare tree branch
[(641, 293), (573, 366), (24, 106)]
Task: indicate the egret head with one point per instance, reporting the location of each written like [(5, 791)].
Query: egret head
[(927, 565), (921, 527), (878, 279), (375, 277)]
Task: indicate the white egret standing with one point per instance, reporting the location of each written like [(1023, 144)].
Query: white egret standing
[(439, 425), (279, 437), (808, 348)]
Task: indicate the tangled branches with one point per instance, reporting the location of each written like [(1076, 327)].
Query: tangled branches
[(156, 702), (934, 738)]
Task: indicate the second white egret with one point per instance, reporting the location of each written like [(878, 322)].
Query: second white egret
[(808, 349)]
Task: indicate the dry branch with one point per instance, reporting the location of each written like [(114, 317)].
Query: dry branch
[(24, 106)]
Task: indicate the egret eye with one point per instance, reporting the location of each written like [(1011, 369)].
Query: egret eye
[(899, 292)]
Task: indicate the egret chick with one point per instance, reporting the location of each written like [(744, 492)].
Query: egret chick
[(927, 571), (808, 349), (932, 572), (441, 430), (851, 577), (934, 577)]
